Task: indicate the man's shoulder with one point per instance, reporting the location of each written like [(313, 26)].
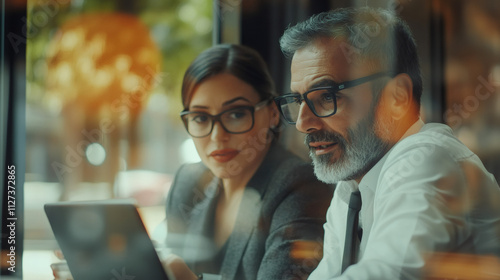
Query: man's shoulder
[(434, 139), (433, 152)]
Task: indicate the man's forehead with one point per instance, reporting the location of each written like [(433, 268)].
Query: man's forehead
[(324, 47), (322, 59)]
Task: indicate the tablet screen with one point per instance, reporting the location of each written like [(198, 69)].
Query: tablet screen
[(104, 240)]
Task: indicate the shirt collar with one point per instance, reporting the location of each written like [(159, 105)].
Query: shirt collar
[(344, 190), (416, 127)]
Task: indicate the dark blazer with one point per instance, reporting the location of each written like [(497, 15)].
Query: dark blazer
[(283, 205)]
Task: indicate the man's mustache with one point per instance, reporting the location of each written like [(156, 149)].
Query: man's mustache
[(324, 136)]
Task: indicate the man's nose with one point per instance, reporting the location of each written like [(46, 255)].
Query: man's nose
[(306, 120)]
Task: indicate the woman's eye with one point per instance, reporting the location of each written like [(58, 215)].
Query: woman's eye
[(200, 118), (298, 101), (238, 114)]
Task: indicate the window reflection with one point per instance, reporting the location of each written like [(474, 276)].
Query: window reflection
[(472, 78), (103, 97)]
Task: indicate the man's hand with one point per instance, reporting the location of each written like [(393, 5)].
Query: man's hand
[(179, 268)]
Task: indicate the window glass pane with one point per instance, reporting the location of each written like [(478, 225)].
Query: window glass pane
[(103, 103), (472, 76)]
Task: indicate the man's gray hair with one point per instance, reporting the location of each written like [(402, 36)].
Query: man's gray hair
[(372, 35)]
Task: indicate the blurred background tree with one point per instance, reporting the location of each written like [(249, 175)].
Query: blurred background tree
[(180, 28), (116, 62)]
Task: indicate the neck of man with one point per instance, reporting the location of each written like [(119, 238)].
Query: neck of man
[(402, 126), (395, 134)]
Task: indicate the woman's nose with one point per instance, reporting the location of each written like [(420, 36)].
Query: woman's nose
[(218, 132)]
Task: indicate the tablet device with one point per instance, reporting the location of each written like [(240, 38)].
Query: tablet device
[(104, 240)]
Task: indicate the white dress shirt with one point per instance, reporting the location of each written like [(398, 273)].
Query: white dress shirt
[(428, 194)]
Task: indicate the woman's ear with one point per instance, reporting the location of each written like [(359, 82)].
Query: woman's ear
[(400, 96), (274, 115)]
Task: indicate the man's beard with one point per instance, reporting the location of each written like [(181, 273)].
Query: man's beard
[(357, 157)]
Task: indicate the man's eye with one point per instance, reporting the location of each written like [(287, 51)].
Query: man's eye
[(327, 97)]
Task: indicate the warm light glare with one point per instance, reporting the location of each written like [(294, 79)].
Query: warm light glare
[(462, 266), (102, 60), (306, 250), (96, 154)]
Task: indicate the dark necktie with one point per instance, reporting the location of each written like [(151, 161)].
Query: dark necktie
[(351, 236)]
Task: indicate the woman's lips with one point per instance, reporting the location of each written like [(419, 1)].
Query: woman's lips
[(321, 148), (224, 155)]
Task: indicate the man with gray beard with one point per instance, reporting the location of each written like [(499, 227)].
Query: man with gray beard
[(356, 84)]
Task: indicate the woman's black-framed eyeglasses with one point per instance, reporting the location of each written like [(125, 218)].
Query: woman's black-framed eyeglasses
[(321, 100), (235, 120)]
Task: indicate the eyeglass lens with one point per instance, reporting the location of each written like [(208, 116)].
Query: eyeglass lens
[(321, 101), (237, 120)]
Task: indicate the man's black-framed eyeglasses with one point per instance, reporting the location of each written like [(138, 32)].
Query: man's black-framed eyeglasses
[(235, 120), (321, 100)]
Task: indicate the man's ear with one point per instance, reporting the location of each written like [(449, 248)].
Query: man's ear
[(400, 96)]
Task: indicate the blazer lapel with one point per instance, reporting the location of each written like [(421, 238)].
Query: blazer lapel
[(249, 212), (201, 220), (246, 223)]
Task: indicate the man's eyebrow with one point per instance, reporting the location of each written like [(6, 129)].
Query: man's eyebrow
[(322, 83)]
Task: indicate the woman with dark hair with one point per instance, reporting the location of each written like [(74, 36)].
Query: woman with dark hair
[(250, 209)]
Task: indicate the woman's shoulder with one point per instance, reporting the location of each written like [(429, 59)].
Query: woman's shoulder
[(188, 173), (293, 174), (187, 179), (294, 193), (291, 168)]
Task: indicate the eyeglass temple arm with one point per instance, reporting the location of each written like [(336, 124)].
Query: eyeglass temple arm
[(362, 80)]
